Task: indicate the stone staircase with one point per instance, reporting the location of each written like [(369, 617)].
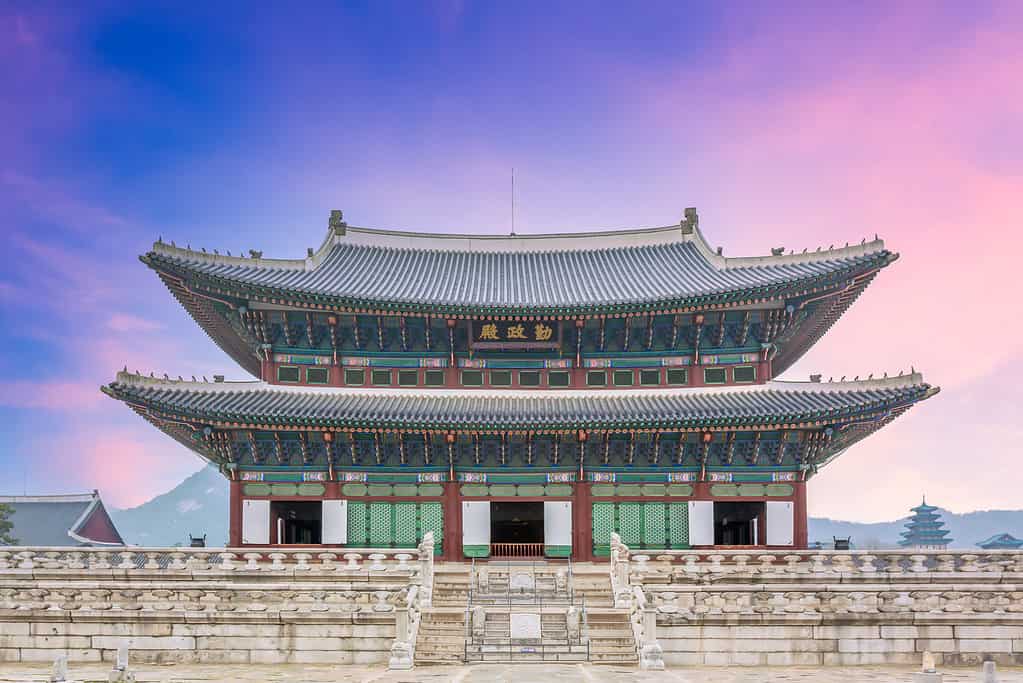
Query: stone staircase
[(502, 589), (554, 644), (451, 584), (525, 582), (441, 638), (591, 584), (611, 637)]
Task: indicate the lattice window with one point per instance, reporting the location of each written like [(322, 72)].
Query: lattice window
[(630, 523), (654, 527), (603, 524), (678, 525), (405, 524), (641, 525), (358, 532), (380, 534), (431, 518)]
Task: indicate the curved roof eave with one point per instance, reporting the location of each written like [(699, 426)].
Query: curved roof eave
[(775, 403)]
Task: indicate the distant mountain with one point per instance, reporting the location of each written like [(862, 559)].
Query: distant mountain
[(197, 506), (965, 529)]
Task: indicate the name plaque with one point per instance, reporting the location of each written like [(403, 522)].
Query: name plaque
[(511, 334)]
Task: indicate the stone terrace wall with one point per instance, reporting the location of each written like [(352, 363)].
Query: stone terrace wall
[(205, 606), (754, 608)]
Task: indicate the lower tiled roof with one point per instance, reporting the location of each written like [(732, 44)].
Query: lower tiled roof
[(774, 403)]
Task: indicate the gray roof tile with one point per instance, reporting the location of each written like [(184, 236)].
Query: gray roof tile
[(771, 403), (643, 267)]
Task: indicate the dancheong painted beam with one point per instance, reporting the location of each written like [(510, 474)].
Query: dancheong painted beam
[(523, 394)]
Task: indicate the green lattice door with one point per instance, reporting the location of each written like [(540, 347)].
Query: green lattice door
[(603, 524), (394, 525), (641, 525), (678, 525)]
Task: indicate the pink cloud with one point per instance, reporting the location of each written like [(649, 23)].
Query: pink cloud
[(126, 323), (128, 463)]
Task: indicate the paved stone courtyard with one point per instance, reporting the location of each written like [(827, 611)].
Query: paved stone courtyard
[(493, 673)]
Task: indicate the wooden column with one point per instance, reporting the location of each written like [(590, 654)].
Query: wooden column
[(452, 522), (800, 528), (234, 534), (582, 523)]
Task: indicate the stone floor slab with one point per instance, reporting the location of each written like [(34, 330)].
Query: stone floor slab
[(492, 673)]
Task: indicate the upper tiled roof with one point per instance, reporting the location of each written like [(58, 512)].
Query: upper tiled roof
[(772, 403), (568, 273)]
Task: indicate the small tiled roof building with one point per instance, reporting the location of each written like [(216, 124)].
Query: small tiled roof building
[(61, 520)]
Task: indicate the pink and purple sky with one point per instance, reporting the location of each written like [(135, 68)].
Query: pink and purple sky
[(235, 126)]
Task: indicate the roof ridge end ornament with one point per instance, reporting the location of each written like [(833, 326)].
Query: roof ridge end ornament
[(336, 223), (690, 221)]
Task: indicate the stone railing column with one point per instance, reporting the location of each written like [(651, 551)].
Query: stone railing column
[(426, 550), (401, 649), (651, 655)]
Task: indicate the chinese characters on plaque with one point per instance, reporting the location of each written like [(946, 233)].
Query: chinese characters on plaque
[(536, 334)]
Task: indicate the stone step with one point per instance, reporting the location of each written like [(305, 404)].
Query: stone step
[(518, 647), (437, 652), (528, 657), (442, 623), (596, 658), (503, 641), (433, 647), (624, 641)]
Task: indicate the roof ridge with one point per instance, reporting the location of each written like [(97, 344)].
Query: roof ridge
[(53, 498), (687, 230), (903, 379)]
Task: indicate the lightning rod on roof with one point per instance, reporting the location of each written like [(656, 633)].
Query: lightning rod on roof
[(513, 201)]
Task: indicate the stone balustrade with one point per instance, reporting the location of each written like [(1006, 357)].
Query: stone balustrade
[(295, 562), (827, 607), (681, 566), (217, 605)]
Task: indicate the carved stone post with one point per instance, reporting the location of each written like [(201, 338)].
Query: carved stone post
[(650, 655), (401, 650)]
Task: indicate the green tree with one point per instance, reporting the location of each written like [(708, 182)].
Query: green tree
[(6, 525)]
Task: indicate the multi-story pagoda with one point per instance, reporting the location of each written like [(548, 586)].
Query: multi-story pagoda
[(523, 395), (924, 530)]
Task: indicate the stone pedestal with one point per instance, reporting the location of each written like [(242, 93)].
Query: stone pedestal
[(401, 657), (927, 677), (651, 657)]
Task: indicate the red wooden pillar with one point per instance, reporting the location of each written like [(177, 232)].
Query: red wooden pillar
[(582, 524), (234, 534), (267, 370), (452, 522), (800, 528)]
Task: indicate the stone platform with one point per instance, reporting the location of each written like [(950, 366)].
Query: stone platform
[(497, 673)]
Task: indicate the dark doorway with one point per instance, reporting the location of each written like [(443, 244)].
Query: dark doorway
[(297, 522), (516, 522), (737, 523)]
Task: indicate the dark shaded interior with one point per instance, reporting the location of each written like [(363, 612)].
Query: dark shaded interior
[(516, 522), (736, 523), (297, 522)]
